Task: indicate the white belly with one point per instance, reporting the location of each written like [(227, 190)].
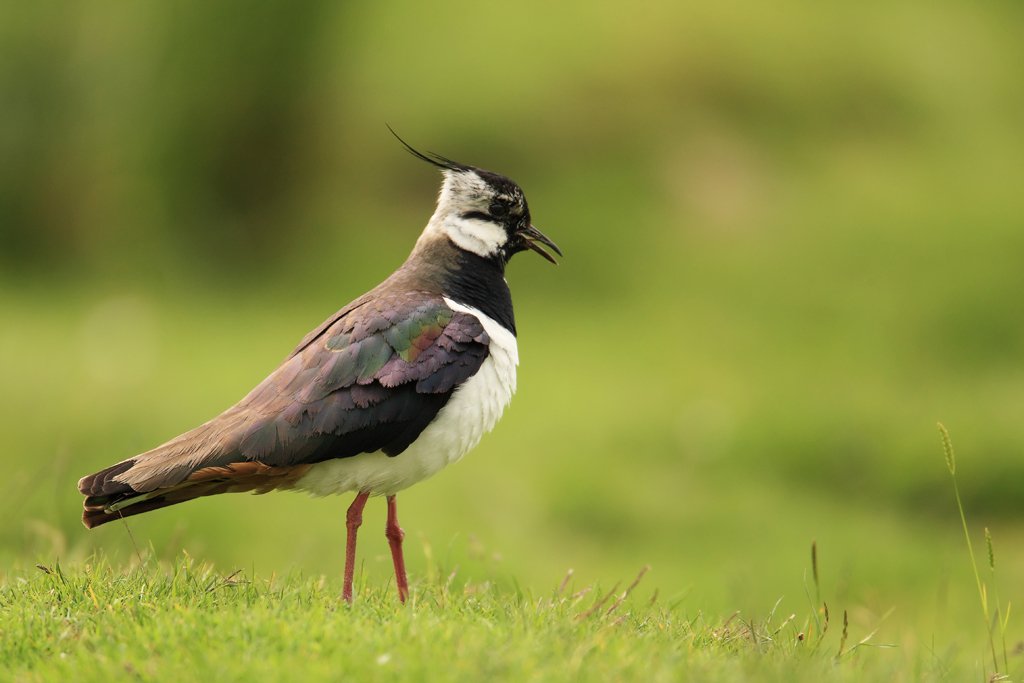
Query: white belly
[(471, 412)]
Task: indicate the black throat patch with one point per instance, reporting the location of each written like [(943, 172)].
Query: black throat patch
[(480, 283)]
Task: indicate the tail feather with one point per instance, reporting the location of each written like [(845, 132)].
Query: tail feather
[(108, 500), (102, 483), (159, 477), (97, 512)]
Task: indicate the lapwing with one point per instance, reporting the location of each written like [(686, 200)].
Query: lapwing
[(386, 392)]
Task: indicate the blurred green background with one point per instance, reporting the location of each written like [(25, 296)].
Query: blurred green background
[(794, 238)]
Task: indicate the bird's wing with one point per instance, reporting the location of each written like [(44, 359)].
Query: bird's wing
[(371, 379)]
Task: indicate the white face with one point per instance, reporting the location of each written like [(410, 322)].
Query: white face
[(462, 215)]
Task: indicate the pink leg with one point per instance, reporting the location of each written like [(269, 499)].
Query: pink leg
[(353, 519), (395, 535)]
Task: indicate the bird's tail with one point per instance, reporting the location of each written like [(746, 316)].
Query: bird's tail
[(107, 499), (190, 466)]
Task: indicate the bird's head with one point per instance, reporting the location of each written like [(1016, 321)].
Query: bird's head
[(482, 212)]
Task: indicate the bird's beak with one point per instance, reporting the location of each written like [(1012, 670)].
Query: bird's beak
[(533, 238)]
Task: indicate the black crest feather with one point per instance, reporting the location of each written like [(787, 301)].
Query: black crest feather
[(430, 157)]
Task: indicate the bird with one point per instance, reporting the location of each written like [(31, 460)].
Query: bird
[(386, 392)]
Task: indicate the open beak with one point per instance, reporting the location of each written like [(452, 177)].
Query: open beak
[(533, 238)]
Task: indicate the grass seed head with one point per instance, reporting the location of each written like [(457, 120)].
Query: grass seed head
[(991, 553), (947, 445)]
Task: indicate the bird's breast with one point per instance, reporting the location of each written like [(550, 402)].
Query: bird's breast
[(472, 411)]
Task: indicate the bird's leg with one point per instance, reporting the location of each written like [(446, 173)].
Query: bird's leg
[(395, 535), (353, 518)]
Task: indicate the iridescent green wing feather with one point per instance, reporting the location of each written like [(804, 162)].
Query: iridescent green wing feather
[(373, 380)]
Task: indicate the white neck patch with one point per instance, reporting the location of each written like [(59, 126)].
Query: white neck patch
[(483, 238), (464, 192)]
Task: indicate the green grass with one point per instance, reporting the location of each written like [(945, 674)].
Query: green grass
[(147, 620), (187, 621), (996, 617)]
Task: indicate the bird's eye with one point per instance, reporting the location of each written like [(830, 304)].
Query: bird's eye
[(499, 209)]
